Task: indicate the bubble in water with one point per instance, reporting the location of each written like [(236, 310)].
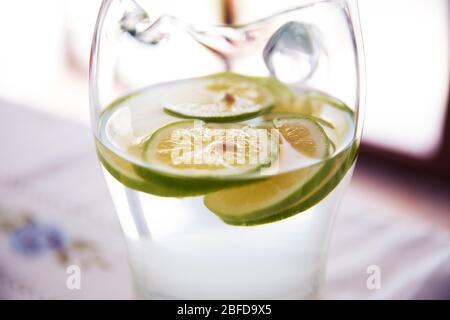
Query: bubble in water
[(292, 53)]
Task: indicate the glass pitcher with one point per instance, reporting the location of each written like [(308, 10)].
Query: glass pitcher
[(227, 132)]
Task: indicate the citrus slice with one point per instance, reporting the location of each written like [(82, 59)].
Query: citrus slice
[(148, 181), (332, 101), (273, 115), (194, 150), (124, 171), (260, 200), (305, 135), (340, 166), (281, 196), (224, 97), (299, 103), (282, 94)]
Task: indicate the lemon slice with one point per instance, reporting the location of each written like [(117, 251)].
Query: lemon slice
[(194, 150), (224, 97)]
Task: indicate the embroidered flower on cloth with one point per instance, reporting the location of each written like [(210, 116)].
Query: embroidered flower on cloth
[(33, 238), (30, 238)]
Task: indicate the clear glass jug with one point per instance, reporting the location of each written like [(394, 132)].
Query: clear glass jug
[(237, 236)]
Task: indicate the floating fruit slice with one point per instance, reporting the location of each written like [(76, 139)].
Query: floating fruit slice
[(299, 103), (341, 164), (304, 102), (281, 196), (305, 135), (273, 115), (338, 104), (123, 171), (283, 95), (193, 150), (142, 179), (224, 97), (261, 200)]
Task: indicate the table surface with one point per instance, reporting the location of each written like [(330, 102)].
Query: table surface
[(49, 176)]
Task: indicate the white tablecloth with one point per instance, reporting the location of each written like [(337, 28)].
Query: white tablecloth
[(49, 177)]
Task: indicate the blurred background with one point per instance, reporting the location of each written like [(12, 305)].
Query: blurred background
[(398, 202)]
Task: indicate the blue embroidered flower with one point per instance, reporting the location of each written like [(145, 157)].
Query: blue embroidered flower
[(33, 238)]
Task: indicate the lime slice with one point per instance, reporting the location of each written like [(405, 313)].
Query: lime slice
[(282, 94), (281, 196), (260, 200), (328, 126), (224, 97), (299, 103), (193, 150), (341, 164), (124, 172), (273, 115), (144, 180), (305, 103), (305, 135), (332, 101)]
